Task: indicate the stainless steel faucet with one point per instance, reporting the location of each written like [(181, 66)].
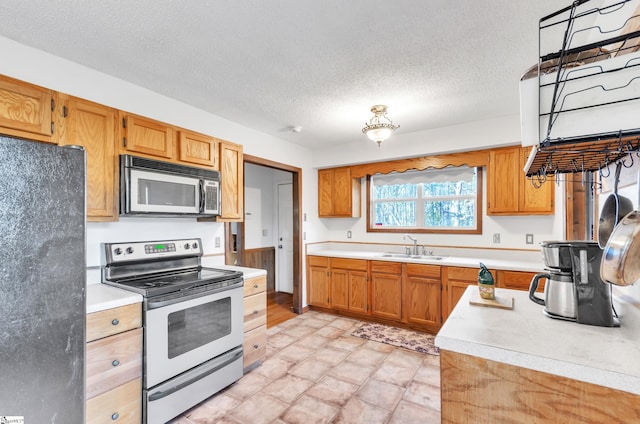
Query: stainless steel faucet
[(415, 242)]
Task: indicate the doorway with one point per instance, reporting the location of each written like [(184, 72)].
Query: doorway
[(286, 291)]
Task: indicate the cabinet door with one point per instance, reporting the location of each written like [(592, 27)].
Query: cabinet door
[(232, 181), (423, 300), (148, 137), (342, 192), (25, 110), (325, 192), (340, 289), (503, 184), (319, 286), (358, 292), (198, 149), (535, 200), (94, 127), (386, 295)]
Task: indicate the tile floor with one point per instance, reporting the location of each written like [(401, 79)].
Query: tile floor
[(316, 372)]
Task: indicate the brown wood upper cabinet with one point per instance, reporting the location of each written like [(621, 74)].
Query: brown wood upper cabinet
[(232, 181), (338, 193), (510, 192), (25, 110), (143, 136), (198, 149), (94, 127)]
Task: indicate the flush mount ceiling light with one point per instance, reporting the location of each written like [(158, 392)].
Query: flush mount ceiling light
[(380, 126)]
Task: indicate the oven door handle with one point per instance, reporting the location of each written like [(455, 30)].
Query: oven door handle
[(162, 394), (154, 304)]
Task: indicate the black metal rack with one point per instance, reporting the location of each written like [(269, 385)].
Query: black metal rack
[(588, 88)]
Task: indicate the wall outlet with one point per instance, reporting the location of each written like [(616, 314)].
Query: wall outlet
[(217, 241), (304, 235), (304, 217), (496, 238), (529, 238), (348, 234), (265, 232)]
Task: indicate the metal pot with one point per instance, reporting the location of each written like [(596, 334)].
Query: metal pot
[(614, 209), (620, 264)]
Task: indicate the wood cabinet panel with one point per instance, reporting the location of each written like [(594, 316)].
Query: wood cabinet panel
[(423, 295), (509, 192), (25, 110), (338, 193), (232, 181), (149, 137), (349, 264), (255, 285), (517, 280), (455, 281), (386, 267), (339, 288), (359, 292), (198, 149), (386, 295), (255, 311), (94, 127), (319, 291), (122, 405), (482, 391), (113, 361), (254, 346), (112, 321)]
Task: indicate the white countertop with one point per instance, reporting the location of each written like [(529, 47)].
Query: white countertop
[(452, 260), (524, 337), (101, 296)]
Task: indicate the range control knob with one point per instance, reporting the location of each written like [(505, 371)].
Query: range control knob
[(186, 246), (194, 245), (129, 250), (117, 251)]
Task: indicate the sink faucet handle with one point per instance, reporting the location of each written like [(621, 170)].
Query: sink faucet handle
[(407, 250)]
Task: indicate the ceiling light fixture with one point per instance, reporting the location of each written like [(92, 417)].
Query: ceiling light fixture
[(376, 129)]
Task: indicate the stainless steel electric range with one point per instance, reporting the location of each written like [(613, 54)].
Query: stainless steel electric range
[(192, 318)]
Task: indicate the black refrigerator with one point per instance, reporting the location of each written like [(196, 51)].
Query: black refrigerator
[(42, 282)]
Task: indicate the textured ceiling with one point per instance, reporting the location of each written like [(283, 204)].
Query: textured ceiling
[(320, 65)]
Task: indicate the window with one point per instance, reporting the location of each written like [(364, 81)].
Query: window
[(430, 201)]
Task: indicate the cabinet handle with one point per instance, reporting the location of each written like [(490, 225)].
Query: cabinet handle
[(115, 416), (115, 322), (255, 312), (115, 363), (255, 286), (255, 346)]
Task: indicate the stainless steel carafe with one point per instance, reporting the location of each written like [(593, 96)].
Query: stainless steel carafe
[(559, 294)]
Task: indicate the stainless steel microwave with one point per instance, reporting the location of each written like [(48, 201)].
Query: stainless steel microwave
[(155, 188)]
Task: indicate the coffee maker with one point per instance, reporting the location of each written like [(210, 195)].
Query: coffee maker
[(574, 290)]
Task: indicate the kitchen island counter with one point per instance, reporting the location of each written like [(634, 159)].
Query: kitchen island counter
[(525, 338), (519, 366)]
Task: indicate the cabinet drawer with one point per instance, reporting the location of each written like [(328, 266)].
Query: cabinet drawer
[(255, 345), (464, 274), (386, 267), (255, 311), (113, 361), (423, 270), (318, 261), (255, 285), (113, 321), (518, 280), (350, 264), (121, 405)]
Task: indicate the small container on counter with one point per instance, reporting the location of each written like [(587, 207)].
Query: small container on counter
[(486, 285)]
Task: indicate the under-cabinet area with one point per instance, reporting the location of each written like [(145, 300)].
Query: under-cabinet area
[(415, 295)]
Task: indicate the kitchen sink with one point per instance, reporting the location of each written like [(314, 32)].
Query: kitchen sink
[(405, 256)]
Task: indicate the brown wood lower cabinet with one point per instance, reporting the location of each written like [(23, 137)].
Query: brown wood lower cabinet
[(349, 288), (455, 281), (386, 289), (114, 365), (318, 288), (255, 322), (422, 294), (476, 390)]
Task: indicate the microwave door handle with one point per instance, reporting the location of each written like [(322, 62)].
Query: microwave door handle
[(202, 194)]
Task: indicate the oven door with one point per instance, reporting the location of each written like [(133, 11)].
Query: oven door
[(156, 192), (184, 334)]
